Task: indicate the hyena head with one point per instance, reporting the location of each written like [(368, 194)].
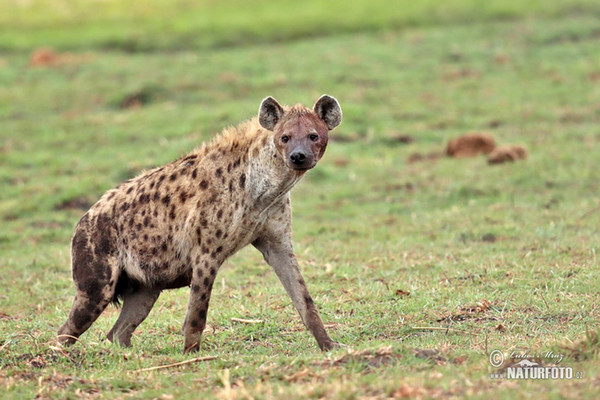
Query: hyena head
[(299, 133)]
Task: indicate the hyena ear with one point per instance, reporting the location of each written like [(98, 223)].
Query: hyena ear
[(329, 110), (269, 113)]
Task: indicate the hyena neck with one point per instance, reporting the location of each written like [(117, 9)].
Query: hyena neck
[(270, 180)]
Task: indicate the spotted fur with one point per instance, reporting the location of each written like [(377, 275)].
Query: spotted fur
[(174, 226)]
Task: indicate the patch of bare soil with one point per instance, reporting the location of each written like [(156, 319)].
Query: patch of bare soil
[(418, 157), (372, 358), (76, 203), (46, 57), (477, 312), (5, 316)]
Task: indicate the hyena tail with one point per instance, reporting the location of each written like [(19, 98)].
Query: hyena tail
[(125, 286)]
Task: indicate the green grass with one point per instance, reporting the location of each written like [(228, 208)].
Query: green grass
[(368, 224), (181, 24)]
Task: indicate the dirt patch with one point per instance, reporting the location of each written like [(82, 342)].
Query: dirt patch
[(37, 361), (399, 138), (470, 145), (5, 316), (46, 57), (141, 97), (418, 157), (407, 187), (431, 355), (345, 137), (489, 238), (475, 312), (77, 203), (372, 358), (507, 153)]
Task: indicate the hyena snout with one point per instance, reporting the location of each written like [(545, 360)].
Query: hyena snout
[(301, 159)]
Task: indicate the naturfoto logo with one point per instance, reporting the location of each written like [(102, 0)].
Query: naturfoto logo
[(527, 368)]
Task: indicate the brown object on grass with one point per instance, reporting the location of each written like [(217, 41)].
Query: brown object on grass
[(47, 58), (44, 57), (470, 145), (510, 152)]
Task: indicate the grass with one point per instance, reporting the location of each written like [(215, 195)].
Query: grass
[(499, 257), (163, 25)]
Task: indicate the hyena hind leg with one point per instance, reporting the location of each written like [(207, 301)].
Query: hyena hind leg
[(94, 274), (90, 301), (136, 307)]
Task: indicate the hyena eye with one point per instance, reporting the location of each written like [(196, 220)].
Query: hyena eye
[(285, 138), (313, 137)]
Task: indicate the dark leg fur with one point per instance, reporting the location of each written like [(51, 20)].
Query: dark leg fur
[(136, 307), (84, 312), (93, 271)]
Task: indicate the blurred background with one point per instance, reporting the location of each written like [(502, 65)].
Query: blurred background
[(392, 231)]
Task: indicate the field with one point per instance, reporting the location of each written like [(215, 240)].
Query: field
[(421, 264)]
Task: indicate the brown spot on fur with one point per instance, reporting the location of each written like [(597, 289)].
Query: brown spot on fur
[(219, 172), (242, 181), (203, 185), (144, 199), (183, 197)]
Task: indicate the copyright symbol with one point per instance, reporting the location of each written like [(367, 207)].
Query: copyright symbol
[(496, 358)]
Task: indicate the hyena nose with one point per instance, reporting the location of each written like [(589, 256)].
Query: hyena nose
[(297, 157)]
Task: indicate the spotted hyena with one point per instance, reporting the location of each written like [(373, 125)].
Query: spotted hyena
[(175, 225)]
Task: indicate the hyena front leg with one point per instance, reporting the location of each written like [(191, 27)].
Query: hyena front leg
[(279, 254), (203, 276)]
